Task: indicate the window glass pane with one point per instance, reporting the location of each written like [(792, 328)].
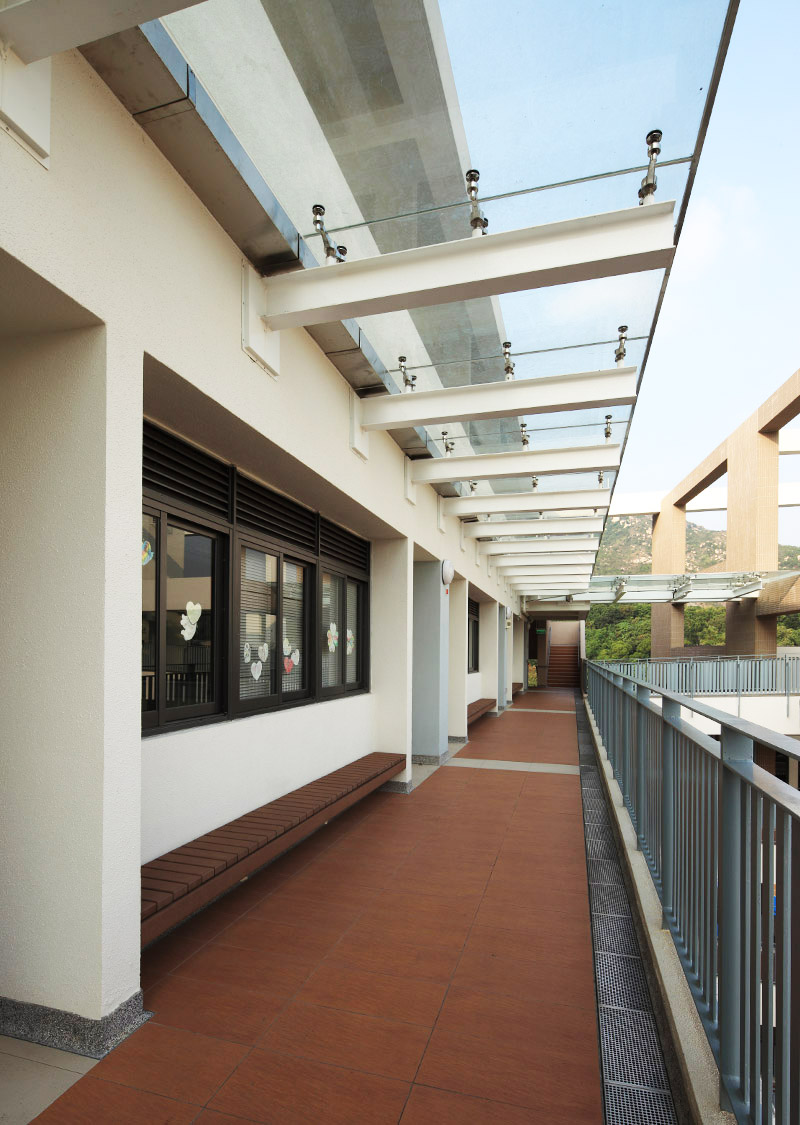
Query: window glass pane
[(190, 617), (149, 594), (294, 655), (257, 624), (352, 639), (330, 627)]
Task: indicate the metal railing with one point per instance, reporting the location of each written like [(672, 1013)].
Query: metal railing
[(716, 675), (721, 837)]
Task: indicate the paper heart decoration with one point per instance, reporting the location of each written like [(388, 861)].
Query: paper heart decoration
[(262, 651), (255, 669), (147, 551), (247, 653), (296, 657), (287, 648), (193, 611), (288, 664), (188, 629)]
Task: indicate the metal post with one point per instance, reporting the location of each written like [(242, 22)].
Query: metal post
[(670, 711), (642, 697), (736, 747)]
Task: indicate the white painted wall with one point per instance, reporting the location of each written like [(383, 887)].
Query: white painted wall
[(768, 711), (69, 700), (392, 646), (475, 687), (194, 780), (458, 680), (564, 632)]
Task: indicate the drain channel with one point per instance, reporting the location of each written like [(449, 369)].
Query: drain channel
[(635, 1084)]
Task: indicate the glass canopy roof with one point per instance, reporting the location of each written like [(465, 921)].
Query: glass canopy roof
[(376, 110)]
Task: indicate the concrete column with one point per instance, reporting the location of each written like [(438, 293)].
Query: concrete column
[(430, 664), (669, 557), (70, 428), (392, 631), (501, 658), (488, 660), (457, 665), (508, 630), (518, 658), (752, 539)]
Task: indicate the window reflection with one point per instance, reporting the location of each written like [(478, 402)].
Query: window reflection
[(189, 618)]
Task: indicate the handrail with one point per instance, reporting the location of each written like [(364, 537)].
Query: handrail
[(721, 837), (719, 675)]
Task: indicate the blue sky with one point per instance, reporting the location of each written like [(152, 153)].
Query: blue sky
[(728, 332)]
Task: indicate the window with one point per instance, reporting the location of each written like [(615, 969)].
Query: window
[(236, 582), (473, 635), (182, 644)]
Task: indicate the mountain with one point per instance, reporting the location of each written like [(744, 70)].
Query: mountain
[(626, 548)]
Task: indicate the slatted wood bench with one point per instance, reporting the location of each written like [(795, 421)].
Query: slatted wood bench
[(516, 689), (478, 708), (183, 881)]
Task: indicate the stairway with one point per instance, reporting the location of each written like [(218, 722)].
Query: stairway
[(564, 667)]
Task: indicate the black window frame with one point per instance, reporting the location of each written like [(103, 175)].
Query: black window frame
[(473, 641), (162, 717), (167, 505), (326, 566)]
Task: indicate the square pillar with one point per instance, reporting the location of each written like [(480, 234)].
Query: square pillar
[(669, 557), (501, 658), (457, 662), (430, 664), (752, 539), (71, 433), (391, 634), (508, 630), (518, 658), (489, 656)]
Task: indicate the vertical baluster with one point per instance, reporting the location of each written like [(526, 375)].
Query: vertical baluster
[(757, 829), (735, 747), (642, 697), (792, 1027), (746, 937), (767, 953), (782, 967), (669, 712)]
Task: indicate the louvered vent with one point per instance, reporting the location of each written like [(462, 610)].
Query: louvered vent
[(176, 469), (275, 515), (346, 548), (472, 608)]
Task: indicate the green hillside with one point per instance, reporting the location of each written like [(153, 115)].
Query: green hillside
[(615, 632)]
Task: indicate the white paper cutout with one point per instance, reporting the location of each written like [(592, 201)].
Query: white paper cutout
[(255, 669), (262, 652), (247, 653), (287, 648), (333, 637), (188, 630), (351, 642), (193, 611), (296, 657)]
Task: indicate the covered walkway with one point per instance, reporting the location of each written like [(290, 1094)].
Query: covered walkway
[(424, 958)]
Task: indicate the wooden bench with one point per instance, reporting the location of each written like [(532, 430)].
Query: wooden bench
[(478, 708), (183, 881), (516, 689)]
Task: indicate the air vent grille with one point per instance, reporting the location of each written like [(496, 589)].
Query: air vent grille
[(472, 608), (275, 515), (176, 469), (343, 546)]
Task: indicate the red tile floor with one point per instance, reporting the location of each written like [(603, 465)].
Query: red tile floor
[(424, 959)]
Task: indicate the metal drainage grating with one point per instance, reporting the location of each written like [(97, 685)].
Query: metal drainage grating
[(608, 898), (626, 1105), (620, 982), (613, 933), (601, 849), (605, 871), (631, 1049)]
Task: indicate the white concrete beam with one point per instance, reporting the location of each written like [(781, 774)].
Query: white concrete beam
[(582, 391), (533, 501), (539, 546), (556, 570), (36, 29), (538, 562), (491, 466), (617, 242), (574, 526)]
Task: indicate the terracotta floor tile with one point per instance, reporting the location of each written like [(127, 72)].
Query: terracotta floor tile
[(559, 945), (211, 1117), (406, 960), (282, 1090), (262, 972), (541, 981), (479, 1068), (375, 994), (172, 1062), (165, 955), (351, 869), (427, 1106), (295, 907), (558, 1031), (91, 1102), (223, 1011), (321, 885), (348, 1039), (278, 938)]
